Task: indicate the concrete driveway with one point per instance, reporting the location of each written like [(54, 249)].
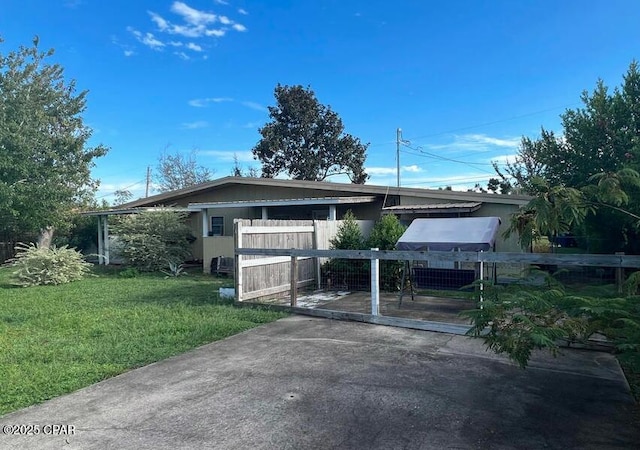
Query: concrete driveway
[(303, 383)]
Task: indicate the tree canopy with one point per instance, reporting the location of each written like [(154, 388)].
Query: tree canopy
[(601, 137), (45, 162), (598, 157), (306, 140), (177, 171)]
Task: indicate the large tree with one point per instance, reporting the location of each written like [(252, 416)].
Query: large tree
[(45, 162), (306, 140), (178, 171), (598, 141)]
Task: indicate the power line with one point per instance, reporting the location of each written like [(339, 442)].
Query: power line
[(121, 189), (426, 154), (494, 122)]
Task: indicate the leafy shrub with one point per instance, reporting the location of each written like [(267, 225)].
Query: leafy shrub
[(355, 272), (152, 239), (129, 272), (349, 236), (384, 236), (519, 319), (81, 233), (348, 272), (54, 265)]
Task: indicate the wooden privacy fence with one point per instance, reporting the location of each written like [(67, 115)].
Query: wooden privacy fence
[(263, 275)]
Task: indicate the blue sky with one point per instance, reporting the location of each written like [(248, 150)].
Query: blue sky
[(463, 79)]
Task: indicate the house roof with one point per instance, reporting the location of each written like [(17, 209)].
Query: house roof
[(130, 210), (349, 188), (282, 202), (434, 208)]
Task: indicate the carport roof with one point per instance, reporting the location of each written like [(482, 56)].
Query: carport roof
[(433, 208), (283, 202)]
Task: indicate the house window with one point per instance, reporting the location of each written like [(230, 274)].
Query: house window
[(217, 226)]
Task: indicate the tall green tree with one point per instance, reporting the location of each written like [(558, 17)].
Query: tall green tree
[(45, 160), (599, 141), (305, 139)]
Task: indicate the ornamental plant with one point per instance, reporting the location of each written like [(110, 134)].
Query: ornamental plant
[(37, 265)]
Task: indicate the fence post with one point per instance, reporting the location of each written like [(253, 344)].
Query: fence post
[(619, 275), (237, 237), (316, 259), (294, 280), (375, 285)]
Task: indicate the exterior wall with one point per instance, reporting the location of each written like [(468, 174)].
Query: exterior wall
[(216, 246), (504, 212)]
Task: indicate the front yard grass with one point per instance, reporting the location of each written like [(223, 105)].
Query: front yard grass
[(57, 339)]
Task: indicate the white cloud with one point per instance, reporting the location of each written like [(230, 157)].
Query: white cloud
[(503, 159), (392, 170), (254, 105), (182, 55), (129, 53), (221, 2), (195, 125), (215, 32), (147, 39), (510, 143), (252, 124), (476, 142), (192, 15), (228, 155), (380, 170), (203, 102), (160, 22), (242, 11), (190, 23)]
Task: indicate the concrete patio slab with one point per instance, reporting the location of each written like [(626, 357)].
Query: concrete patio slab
[(305, 382)]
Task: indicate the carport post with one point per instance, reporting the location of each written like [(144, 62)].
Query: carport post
[(375, 285)]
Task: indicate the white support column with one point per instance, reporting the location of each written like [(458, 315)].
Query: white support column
[(105, 234), (265, 213), (205, 222), (375, 284), (332, 212), (100, 241)]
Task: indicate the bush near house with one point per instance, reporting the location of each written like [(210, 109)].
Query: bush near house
[(384, 236), (354, 273), (152, 240)]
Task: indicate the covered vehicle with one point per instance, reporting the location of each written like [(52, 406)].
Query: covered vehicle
[(465, 234)]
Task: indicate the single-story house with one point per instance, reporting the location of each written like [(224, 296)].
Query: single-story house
[(214, 206)]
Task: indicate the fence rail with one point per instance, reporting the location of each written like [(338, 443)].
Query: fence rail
[(624, 261)]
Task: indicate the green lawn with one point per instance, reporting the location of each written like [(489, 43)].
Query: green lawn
[(56, 339)]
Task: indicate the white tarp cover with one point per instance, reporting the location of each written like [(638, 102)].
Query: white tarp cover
[(469, 234)]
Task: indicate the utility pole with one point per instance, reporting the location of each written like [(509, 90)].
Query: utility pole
[(398, 142), (146, 192)]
